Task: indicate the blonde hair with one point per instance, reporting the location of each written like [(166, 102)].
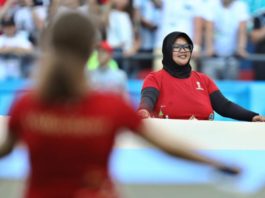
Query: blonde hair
[(67, 43)]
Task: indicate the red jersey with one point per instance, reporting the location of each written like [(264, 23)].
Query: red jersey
[(182, 98), (70, 144)]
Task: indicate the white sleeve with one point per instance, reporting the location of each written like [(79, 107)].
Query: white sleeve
[(208, 9), (24, 43), (1, 41), (242, 11), (42, 12), (198, 10)]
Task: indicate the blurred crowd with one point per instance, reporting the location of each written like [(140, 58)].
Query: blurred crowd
[(225, 33)]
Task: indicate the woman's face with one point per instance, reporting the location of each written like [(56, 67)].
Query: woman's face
[(181, 51)]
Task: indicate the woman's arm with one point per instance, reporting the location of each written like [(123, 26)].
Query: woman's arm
[(167, 142), (242, 39), (226, 108), (7, 146), (149, 98)]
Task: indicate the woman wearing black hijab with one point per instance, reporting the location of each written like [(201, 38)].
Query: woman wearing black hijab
[(177, 92)]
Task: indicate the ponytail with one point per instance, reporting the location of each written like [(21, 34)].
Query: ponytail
[(68, 43), (62, 80)]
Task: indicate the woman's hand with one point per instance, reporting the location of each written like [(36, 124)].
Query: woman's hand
[(143, 113), (229, 170), (258, 118)]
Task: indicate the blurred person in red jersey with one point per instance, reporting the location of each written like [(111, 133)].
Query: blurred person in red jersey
[(69, 129)]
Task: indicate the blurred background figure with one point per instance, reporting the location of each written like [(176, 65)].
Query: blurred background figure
[(98, 10), (30, 17), (147, 15), (15, 51), (93, 60), (87, 7), (6, 7), (120, 33), (226, 38), (258, 39), (106, 78)]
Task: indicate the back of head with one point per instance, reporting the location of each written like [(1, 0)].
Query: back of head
[(67, 43), (72, 33)]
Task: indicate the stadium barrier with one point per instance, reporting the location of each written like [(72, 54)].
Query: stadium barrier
[(143, 171), (248, 94)]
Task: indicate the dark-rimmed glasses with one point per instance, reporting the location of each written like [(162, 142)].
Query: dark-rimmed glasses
[(179, 47)]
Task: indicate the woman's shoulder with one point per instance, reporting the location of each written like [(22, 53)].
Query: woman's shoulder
[(156, 74), (22, 101), (153, 78), (200, 75), (103, 97)]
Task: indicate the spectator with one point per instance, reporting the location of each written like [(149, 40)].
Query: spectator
[(93, 63), (30, 17), (177, 92), (14, 49), (226, 34), (7, 8), (69, 129), (121, 39), (93, 60), (106, 79), (98, 10), (258, 38), (86, 7), (147, 16)]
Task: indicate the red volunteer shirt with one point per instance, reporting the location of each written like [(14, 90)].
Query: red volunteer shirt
[(182, 98), (70, 144)]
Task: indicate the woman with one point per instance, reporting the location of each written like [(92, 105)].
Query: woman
[(69, 129), (177, 92)]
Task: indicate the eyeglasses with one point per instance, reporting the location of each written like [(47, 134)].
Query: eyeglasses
[(179, 47)]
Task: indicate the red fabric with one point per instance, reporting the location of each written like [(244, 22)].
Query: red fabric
[(106, 46), (2, 2), (182, 98), (70, 144)]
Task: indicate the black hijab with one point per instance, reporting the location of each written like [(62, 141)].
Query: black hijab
[(174, 69)]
